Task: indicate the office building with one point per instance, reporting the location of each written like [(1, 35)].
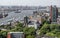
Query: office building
[(53, 13)]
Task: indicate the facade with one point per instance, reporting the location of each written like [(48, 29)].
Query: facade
[(53, 13), (58, 20), (35, 21), (2, 15), (25, 21), (34, 24), (15, 35)]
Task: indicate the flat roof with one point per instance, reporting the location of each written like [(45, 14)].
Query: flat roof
[(15, 32)]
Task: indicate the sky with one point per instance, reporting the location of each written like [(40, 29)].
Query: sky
[(30, 2)]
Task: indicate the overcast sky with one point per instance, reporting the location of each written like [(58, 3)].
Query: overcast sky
[(30, 2)]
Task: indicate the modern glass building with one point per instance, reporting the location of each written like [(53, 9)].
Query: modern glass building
[(53, 14)]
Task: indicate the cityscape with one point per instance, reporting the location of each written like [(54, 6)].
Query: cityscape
[(22, 19), (30, 21)]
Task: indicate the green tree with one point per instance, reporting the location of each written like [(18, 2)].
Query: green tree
[(44, 29), (3, 34), (29, 31), (30, 36), (50, 34)]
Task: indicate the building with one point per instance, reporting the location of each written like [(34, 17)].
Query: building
[(58, 20), (53, 14), (2, 15), (34, 24), (25, 21), (35, 21), (15, 35)]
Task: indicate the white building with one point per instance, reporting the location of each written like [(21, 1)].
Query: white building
[(34, 24), (58, 20)]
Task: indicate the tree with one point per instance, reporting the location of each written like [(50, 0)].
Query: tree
[(44, 29), (50, 34), (29, 31), (3, 34), (50, 30), (19, 25), (30, 36)]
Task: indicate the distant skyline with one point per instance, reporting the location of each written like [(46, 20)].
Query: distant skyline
[(29, 2)]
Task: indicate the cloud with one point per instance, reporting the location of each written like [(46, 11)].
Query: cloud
[(30, 2)]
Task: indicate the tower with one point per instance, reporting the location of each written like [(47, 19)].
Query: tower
[(25, 21), (53, 13)]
